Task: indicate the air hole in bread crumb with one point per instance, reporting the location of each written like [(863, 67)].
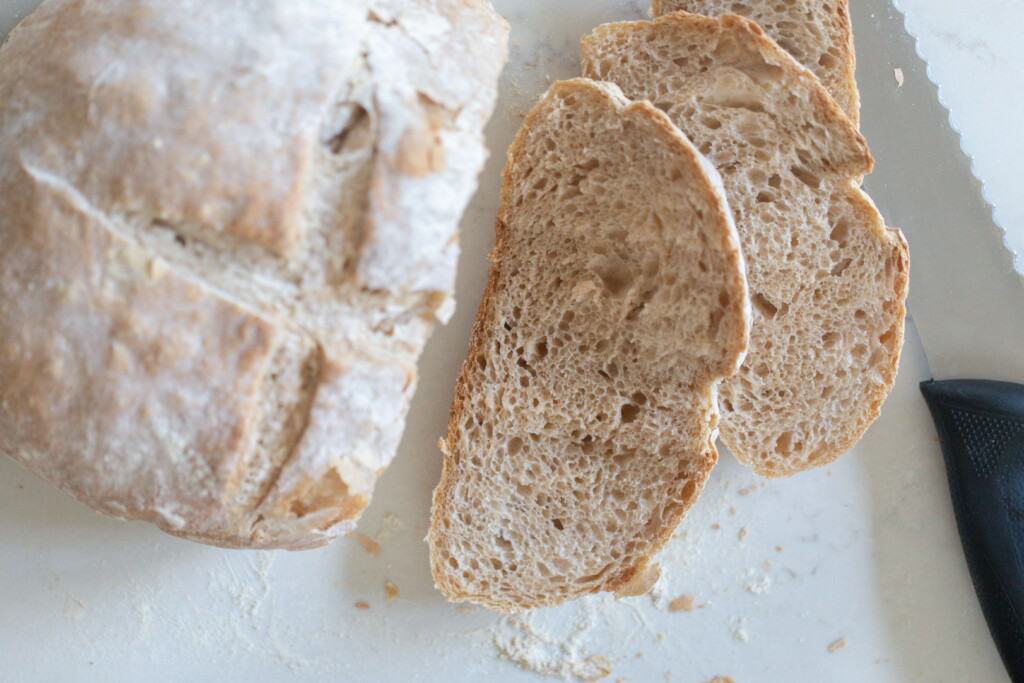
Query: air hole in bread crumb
[(557, 523), (806, 177), (615, 275), (784, 444), (830, 339), (711, 122), (766, 308), (624, 458), (840, 232), (515, 445), (629, 413), (841, 267)]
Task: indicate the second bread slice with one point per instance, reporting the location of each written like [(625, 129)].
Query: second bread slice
[(584, 417), (828, 281)]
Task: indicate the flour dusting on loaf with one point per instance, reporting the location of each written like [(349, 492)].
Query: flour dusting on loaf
[(228, 229)]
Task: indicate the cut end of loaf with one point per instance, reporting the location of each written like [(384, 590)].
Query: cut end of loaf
[(583, 419)]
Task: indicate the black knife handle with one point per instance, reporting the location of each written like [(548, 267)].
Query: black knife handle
[(981, 429)]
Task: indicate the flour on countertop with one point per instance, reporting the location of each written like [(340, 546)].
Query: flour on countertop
[(390, 524), (520, 640), (247, 589), (581, 640)]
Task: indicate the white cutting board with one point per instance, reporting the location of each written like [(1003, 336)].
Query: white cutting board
[(865, 550)]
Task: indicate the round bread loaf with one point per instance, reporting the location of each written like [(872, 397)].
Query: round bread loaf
[(226, 231)]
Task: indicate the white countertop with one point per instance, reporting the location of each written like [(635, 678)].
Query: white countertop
[(864, 551)]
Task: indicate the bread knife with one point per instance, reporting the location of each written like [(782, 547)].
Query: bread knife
[(967, 302)]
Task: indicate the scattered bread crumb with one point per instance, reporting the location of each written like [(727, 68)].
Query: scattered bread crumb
[(732, 510), (898, 73), (739, 630), (746, 491), (779, 548), (371, 546), (390, 589), (742, 533), (716, 526), (362, 604), (837, 645), (684, 603), (720, 679)]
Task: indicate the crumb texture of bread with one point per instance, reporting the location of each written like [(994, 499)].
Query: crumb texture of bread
[(584, 416), (818, 33), (227, 232), (828, 281)]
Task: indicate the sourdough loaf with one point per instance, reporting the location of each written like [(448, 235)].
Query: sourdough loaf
[(226, 231)]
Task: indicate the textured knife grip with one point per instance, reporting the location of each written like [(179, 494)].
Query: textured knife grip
[(981, 429)]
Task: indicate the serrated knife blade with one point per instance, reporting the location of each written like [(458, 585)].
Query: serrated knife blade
[(967, 303)]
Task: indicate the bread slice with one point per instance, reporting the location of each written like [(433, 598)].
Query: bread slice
[(828, 281), (584, 416), (818, 33)]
